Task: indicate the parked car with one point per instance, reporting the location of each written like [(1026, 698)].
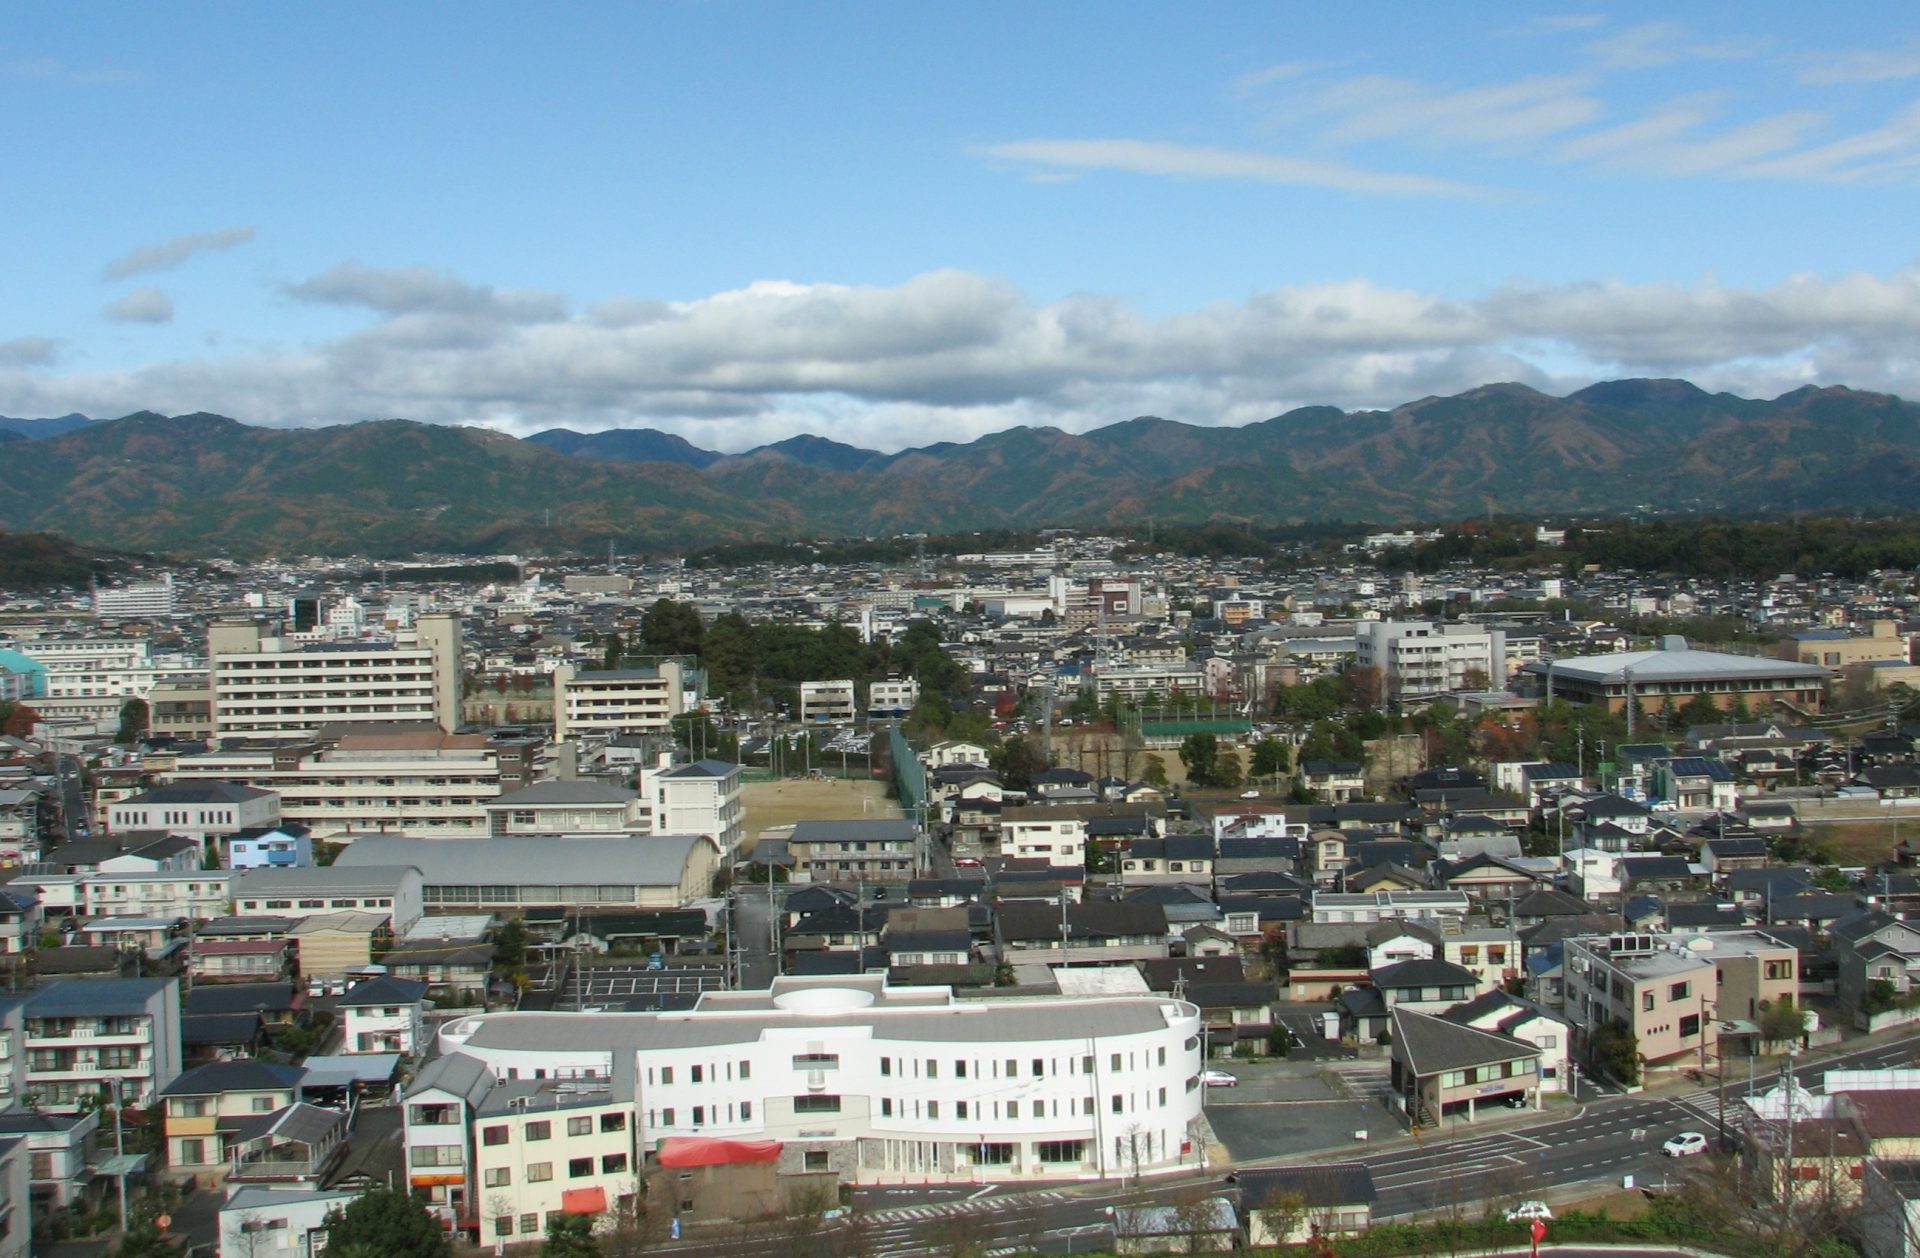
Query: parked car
[(1685, 1145), (1218, 1079), (1529, 1210), (966, 862)]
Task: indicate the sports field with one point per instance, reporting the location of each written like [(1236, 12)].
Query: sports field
[(784, 802)]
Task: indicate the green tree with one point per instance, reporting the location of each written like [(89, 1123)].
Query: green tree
[(510, 946), (728, 655), (1099, 857), (390, 1222), (670, 628), (1226, 770), (1016, 761), (569, 1236), (920, 655), (1153, 770), (1271, 758), (1198, 753), (144, 1239), (613, 650), (1615, 1052), (1782, 1021), (133, 721)]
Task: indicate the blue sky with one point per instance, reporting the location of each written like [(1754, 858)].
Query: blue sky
[(895, 224)]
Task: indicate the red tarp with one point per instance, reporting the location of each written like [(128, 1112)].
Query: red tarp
[(681, 1152), (583, 1200)]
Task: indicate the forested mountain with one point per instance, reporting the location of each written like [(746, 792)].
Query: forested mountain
[(201, 483)]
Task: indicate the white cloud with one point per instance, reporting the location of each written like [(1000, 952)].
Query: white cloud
[(171, 253), (1187, 161), (1867, 65), (142, 305), (1378, 106), (952, 354), (1662, 43)]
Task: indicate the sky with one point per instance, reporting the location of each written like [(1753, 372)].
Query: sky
[(894, 224)]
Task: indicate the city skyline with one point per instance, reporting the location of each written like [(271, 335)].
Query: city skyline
[(894, 226)]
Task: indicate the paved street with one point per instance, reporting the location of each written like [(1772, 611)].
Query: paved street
[(752, 924)]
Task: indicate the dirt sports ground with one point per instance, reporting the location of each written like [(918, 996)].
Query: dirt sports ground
[(767, 804)]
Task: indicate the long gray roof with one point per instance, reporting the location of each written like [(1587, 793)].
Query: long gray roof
[(1675, 661), (538, 861)]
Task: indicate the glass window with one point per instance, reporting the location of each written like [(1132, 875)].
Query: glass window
[(529, 1223), (579, 1168), (613, 1163), (541, 1129), (579, 1126), (613, 1122), (539, 1172), (499, 1176), (816, 1105), (494, 1135)]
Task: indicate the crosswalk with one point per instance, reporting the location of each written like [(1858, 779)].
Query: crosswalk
[(966, 1205)]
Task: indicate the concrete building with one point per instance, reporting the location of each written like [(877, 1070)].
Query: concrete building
[(144, 600), (1837, 649), (415, 779), (615, 701), (828, 700), (892, 698), (128, 667), (383, 1015), (258, 1219), (196, 810), (857, 1081), (268, 686), (705, 797), (1673, 993), (1426, 657), (565, 808)]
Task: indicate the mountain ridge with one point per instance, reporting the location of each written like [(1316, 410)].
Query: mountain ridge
[(204, 482)]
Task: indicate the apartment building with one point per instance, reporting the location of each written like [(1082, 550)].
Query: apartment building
[(143, 600), (414, 779), (198, 1140), (615, 701), (270, 686), (199, 895), (1838, 649), (1056, 835), (1426, 657), (1671, 992), (875, 1084), (1140, 682), (828, 700), (565, 808), (858, 850), (87, 1038)]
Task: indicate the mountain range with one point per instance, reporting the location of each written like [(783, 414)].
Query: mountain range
[(207, 484)]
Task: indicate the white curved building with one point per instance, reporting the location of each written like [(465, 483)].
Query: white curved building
[(881, 1084)]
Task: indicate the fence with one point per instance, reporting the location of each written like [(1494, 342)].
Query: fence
[(909, 778)]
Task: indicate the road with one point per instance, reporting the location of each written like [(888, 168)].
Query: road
[(752, 926), (73, 800)]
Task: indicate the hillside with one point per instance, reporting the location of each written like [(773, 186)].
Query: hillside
[(204, 483)]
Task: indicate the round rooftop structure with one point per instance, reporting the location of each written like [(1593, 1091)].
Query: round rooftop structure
[(821, 1001)]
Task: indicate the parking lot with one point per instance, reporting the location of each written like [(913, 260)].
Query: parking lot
[(1291, 1107)]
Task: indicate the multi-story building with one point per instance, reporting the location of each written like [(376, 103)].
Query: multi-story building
[(1672, 992), (416, 780), (200, 895), (662, 871), (140, 601), (893, 697), (88, 1038), (851, 1078), (827, 700), (565, 808), (1056, 834), (383, 1015), (705, 797), (1837, 649), (198, 1141), (195, 810), (614, 701), (16, 1187), (859, 850), (269, 686), (1141, 682), (1425, 657), (180, 708), (92, 667)]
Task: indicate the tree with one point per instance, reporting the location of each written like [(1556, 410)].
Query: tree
[(144, 1239), (133, 721), (1781, 1021), (1271, 758), (389, 1222), (1016, 761), (670, 628), (1153, 771), (612, 652), (1226, 770), (631, 1228), (1198, 752), (17, 720), (569, 1236), (1614, 1051), (1273, 950)]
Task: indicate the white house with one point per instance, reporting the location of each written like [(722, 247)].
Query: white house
[(195, 810), (704, 797), (383, 1015)]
